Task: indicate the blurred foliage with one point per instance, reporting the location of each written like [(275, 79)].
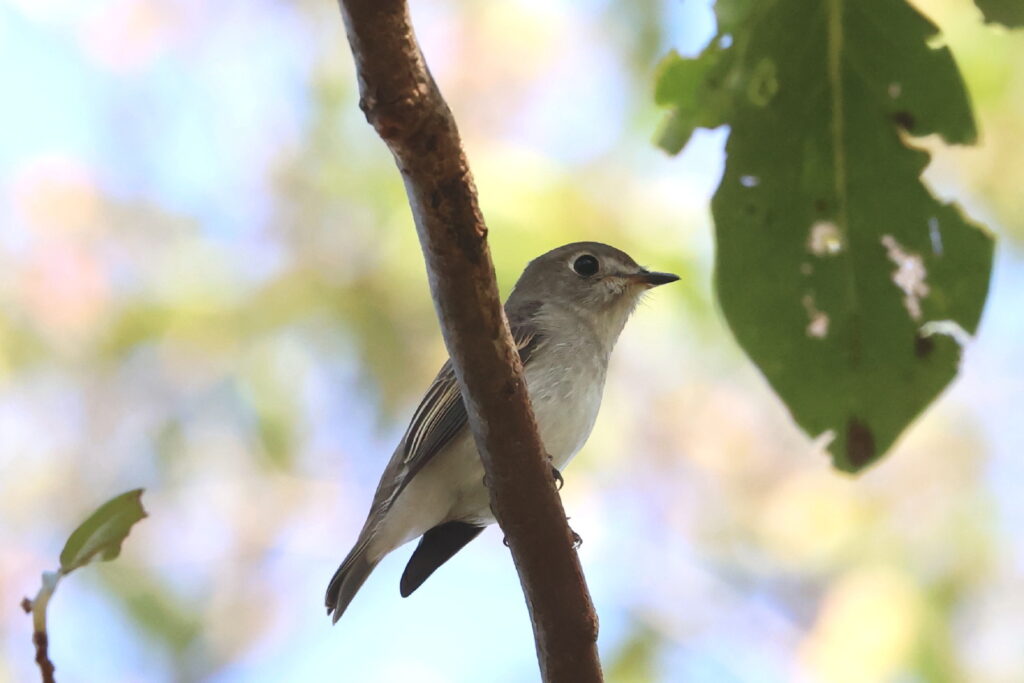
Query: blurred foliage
[(834, 264), (635, 661), (162, 617)]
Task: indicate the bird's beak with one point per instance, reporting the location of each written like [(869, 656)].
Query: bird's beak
[(653, 279)]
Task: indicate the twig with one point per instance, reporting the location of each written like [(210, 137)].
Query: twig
[(37, 608), (403, 103)]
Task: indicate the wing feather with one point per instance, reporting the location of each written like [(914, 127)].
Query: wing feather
[(440, 416)]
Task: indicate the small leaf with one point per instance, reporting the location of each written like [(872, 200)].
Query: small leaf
[(103, 532), (1009, 13)]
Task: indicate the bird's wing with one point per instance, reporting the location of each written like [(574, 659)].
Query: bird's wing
[(440, 416)]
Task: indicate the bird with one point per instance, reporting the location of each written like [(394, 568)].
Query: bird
[(565, 313)]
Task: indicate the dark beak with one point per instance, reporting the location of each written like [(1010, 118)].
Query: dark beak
[(652, 279)]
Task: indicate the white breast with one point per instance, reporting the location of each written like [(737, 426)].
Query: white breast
[(566, 395)]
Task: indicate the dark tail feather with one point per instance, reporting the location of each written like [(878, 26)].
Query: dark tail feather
[(436, 547), (347, 581)]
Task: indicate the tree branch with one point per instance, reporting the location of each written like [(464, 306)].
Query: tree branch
[(402, 102), (37, 608)]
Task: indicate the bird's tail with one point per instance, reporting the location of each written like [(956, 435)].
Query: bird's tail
[(348, 579)]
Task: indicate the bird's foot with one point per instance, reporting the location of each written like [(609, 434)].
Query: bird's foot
[(557, 476)]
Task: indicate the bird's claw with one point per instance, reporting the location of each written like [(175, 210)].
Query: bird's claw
[(559, 481)]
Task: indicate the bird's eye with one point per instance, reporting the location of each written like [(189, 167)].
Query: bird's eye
[(585, 265)]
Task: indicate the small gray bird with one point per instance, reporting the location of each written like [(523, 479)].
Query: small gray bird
[(565, 313)]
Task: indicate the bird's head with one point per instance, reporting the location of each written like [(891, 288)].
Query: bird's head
[(598, 282)]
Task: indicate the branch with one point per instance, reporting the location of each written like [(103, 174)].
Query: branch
[(37, 608), (403, 103), (97, 539)]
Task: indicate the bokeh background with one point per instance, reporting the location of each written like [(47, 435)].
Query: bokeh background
[(210, 287)]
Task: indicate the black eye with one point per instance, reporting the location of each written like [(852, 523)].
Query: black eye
[(585, 265)]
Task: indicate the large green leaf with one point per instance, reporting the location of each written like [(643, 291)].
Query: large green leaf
[(103, 532), (839, 273)]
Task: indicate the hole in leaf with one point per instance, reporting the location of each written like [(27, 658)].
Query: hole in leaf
[(824, 239), (817, 328), (909, 275), (949, 328)]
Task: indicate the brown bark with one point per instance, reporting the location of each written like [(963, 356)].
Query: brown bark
[(46, 668), (39, 637), (402, 102)]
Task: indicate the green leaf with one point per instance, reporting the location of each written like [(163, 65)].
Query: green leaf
[(1009, 13), (103, 532), (697, 97), (837, 270)]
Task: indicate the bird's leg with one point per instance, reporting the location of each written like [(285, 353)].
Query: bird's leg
[(577, 541), (559, 482)]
